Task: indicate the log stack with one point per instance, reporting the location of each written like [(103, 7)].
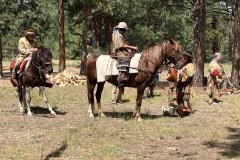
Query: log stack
[(67, 78)]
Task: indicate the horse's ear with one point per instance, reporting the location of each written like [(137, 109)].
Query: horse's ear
[(171, 41)]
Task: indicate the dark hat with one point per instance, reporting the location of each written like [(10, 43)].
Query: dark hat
[(188, 54), (30, 31)]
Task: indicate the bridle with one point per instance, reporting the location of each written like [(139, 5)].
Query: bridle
[(166, 56), (41, 67)]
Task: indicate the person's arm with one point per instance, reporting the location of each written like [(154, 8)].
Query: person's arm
[(130, 47), (22, 49)]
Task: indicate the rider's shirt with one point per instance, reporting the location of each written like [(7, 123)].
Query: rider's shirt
[(23, 47)]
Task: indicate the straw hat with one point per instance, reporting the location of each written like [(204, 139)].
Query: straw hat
[(122, 25)]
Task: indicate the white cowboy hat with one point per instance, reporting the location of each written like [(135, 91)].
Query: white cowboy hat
[(122, 25)]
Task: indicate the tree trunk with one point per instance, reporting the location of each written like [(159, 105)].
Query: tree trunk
[(86, 11), (110, 30), (199, 15), (230, 45), (236, 50), (98, 30), (62, 64), (215, 42), (1, 57)]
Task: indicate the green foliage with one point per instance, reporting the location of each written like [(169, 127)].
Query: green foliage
[(150, 22)]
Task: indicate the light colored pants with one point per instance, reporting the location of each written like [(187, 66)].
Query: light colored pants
[(213, 88), (116, 94)]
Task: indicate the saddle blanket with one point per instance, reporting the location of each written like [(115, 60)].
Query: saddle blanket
[(106, 66)]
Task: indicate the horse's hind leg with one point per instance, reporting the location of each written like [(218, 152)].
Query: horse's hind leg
[(90, 87), (98, 97), (140, 92), (28, 100), (45, 99)]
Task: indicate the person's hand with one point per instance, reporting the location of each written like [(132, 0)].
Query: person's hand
[(180, 72), (135, 48), (219, 80), (33, 49)]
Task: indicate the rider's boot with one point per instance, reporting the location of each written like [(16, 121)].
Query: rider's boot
[(13, 79)]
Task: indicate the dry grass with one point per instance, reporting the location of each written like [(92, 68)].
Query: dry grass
[(212, 132)]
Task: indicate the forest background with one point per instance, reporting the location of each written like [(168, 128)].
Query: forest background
[(204, 27)]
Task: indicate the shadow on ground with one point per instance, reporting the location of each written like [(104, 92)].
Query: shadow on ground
[(58, 152), (44, 111), (231, 148), (129, 115)]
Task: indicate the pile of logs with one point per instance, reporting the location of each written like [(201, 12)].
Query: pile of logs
[(66, 78)]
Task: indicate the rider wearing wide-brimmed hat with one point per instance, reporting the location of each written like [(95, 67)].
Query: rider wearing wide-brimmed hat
[(26, 46), (184, 88), (214, 79), (121, 51)]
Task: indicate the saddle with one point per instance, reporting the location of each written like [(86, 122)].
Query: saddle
[(22, 66), (47, 82), (107, 67)]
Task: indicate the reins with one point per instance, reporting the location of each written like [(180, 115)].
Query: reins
[(40, 68)]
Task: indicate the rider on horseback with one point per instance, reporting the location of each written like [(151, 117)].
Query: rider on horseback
[(26, 46), (122, 52)]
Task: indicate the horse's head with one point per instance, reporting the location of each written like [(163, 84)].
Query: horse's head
[(184, 58), (43, 59), (172, 50)]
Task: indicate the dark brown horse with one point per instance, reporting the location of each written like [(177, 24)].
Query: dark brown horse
[(33, 75), (150, 61)]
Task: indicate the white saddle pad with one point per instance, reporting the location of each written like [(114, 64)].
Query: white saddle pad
[(106, 66)]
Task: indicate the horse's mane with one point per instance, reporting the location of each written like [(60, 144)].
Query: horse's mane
[(40, 49), (153, 52)]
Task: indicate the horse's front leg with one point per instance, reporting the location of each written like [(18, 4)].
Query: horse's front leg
[(140, 92), (45, 99), (28, 100), (98, 97), (21, 101)]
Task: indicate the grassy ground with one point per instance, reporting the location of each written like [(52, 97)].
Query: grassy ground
[(212, 132)]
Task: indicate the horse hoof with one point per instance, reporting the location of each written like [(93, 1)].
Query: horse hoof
[(53, 113), (139, 119), (30, 114), (102, 115), (91, 116)]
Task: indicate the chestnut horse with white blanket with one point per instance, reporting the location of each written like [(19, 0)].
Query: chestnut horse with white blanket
[(150, 61)]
